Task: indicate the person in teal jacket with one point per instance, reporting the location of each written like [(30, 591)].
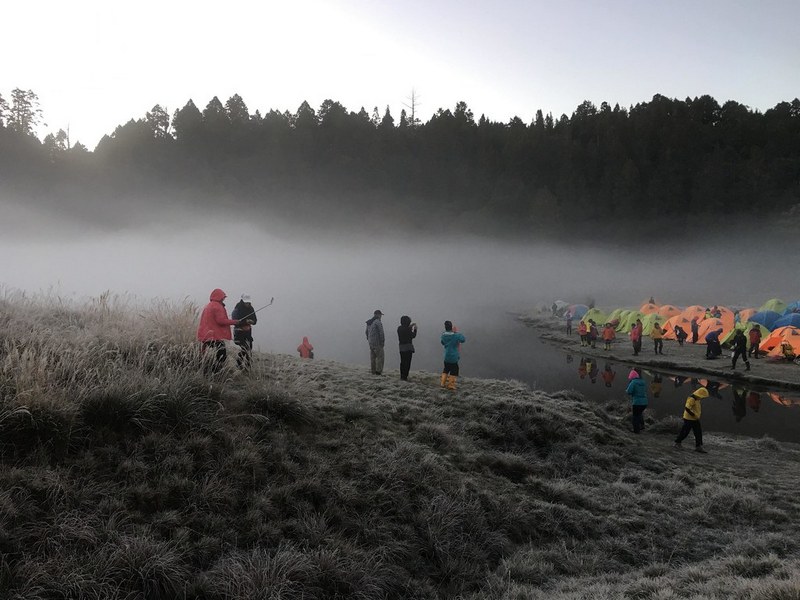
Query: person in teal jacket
[(451, 341), (637, 390)]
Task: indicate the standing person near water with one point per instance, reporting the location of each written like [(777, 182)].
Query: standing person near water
[(406, 332), (636, 337), (739, 345), (214, 329), (695, 330), (637, 390), (569, 323), (691, 420), (451, 340), (375, 339), (755, 339), (243, 331), (658, 338)]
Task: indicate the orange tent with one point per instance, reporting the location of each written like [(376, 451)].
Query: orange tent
[(746, 313), (727, 317), (709, 325), (677, 320), (783, 400), (791, 335), (648, 308), (690, 312), (667, 311), (776, 337)]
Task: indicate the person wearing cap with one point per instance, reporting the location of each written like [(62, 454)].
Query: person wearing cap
[(215, 328), (451, 340), (243, 332), (375, 339), (691, 420), (637, 390)]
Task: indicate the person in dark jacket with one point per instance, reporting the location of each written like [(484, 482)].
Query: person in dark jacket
[(695, 330), (375, 339), (680, 334), (637, 390), (406, 332), (739, 345), (243, 332), (713, 348)]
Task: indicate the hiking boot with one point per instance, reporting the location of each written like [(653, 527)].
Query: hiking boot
[(747, 367), (701, 450)]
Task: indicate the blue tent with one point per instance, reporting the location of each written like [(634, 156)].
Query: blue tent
[(578, 310), (788, 321), (792, 307), (766, 318)]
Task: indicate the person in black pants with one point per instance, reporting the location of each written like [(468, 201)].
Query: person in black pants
[(739, 345), (406, 332), (243, 332)]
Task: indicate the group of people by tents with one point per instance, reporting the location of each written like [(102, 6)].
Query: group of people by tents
[(772, 330)]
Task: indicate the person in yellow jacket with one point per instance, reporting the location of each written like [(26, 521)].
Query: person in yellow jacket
[(691, 420), (658, 338)]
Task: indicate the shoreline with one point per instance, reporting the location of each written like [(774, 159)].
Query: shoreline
[(689, 358)]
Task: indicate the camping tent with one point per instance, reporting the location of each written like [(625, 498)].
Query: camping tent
[(709, 325), (790, 320), (792, 307), (746, 327), (667, 311), (746, 313), (598, 316), (648, 308), (775, 304), (627, 321), (577, 310), (773, 343), (648, 321), (766, 318), (693, 311), (677, 320)]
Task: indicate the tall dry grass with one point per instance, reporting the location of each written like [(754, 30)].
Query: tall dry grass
[(125, 472)]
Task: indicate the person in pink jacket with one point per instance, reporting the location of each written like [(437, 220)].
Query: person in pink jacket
[(215, 328), (305, 349)]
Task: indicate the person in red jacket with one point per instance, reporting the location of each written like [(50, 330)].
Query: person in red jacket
[(755, 340), (305, 349), (215, 328)]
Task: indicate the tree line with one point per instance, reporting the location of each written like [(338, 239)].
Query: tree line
[(669, 160)]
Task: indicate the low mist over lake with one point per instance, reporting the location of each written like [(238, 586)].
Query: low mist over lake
[(325, 288)]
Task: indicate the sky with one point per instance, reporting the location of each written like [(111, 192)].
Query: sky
[(96, 64)]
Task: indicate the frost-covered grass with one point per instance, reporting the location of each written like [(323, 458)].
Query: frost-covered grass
[(126, 473)]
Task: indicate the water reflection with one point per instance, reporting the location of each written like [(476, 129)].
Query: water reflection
[(728, 410)]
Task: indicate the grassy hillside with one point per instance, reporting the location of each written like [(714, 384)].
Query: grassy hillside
[(125, 473)]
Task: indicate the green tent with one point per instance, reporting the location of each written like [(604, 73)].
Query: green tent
[(649, 320), (627, 321), (598, 316), (616, 314), (746, 327), (775, 304)]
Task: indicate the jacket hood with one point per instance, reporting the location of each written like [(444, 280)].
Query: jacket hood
[(217, 295), (305, 341), (405, 321), (633, 375), (700, 392)]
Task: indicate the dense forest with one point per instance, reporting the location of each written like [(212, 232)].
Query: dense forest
[(671, 160)]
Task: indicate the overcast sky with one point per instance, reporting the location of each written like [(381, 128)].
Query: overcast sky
[(96, 64)]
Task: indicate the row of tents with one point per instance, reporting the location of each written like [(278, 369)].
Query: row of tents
[(778, 321)]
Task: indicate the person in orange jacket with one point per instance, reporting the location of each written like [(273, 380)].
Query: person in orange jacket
[(608, 336), (305, 349), (215, 328)]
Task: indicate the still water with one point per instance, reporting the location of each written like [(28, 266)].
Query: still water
[(515, 351)]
